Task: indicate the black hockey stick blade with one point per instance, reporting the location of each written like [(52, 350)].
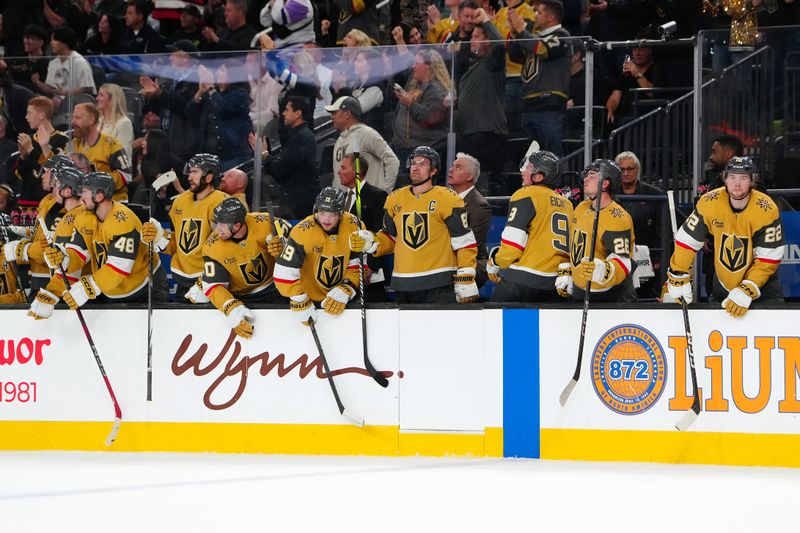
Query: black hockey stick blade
[(566, 392)]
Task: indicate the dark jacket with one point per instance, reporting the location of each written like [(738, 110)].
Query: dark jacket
[(479, 216), (147, 41), (296, 168), (224, 122), (372, 201), (181, 127)]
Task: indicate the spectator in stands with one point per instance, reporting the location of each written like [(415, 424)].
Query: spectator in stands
[(637, 72), (22, 69), (366, 86), (481, 115), (14, 105), (35, 150), (190, 21), (324, 77), (7, 147), (355, 136), (400, 58), (106, 39), (65, 14), (513, 86), (296, 168), (462, 178), (292, 21), (105, 153), (139, 37), (69, 72), (463, 30), (439, 29), (371, 215), (354, 41), (361, 16), (156, 160), (114, 119), (723, 148), (421, 116), (613, 21), (646, 217), (545, 73), (167, 17), (223, 102), (236, 36), (82, 162), (171, 95), (16, 17), (234, 183), (265, 92), (414, 13)]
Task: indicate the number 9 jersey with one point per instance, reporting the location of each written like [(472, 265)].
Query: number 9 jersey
[(615, 240)]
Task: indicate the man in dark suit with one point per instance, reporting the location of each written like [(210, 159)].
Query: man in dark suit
[(461, 178), (372, 200)]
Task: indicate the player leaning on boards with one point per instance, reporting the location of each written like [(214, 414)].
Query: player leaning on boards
[(121, 263), (748, 243), (191, 215), (238, 264), (316, 265), (435, 252), (610, 272), (69, 249), (49, 210), (534, 246)]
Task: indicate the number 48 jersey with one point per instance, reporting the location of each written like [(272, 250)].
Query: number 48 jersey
[(536, 237)]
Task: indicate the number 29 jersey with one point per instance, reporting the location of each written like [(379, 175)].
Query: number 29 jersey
[(536, 237)]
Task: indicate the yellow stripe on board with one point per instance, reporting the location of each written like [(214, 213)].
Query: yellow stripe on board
[(308, 439), (739, 449)]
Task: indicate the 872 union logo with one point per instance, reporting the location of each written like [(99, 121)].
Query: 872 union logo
[(629, 369)]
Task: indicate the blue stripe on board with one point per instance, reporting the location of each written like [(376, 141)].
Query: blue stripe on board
[(521, 383)]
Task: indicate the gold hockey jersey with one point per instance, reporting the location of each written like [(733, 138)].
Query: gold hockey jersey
[(313, 262), (191, 223), (108, 155), (74, 230), (430, 237), (238, 268), (615, 241), (536, 237), (121, 260), (9, 284), (50, 211), (748, 244)]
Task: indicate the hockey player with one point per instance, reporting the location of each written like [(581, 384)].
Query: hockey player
[(748, 243), (317, 265), (49, 210), (238, 263), (610, 271), (121, 263), (534, 245), (191, 215), (69, 250), (426, 227)]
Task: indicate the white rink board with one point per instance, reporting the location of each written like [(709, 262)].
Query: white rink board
[(585, 409)]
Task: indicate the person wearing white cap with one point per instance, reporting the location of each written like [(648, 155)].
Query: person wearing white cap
[(356, 136)]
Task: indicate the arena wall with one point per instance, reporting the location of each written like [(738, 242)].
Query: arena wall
[(479, 382)]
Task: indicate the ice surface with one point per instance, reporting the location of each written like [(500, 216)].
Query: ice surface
[(148, 493)]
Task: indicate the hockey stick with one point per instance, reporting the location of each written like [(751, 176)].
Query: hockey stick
[(14, 270), (117, 411), (162, 181), (362, 260), (689, 416), (355, 419), (577, 374)]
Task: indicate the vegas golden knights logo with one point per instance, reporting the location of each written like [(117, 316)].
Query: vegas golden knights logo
[(734, 252), (330, 270), (4, 288), (255, 271), (416, 229), (100, 254), (189, 236), (578, 246), (530, 68)]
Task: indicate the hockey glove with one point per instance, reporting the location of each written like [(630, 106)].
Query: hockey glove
[(564, 280), (240, 318), (152, 232), (598, 271), (274, 246), (491, 267), (86, 289), (338, 298), (679, 286), (42, 306), (303, 308), (195, 294), (464, 286), (55, 255), (363, 241), (739, 299), (16, 251)]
